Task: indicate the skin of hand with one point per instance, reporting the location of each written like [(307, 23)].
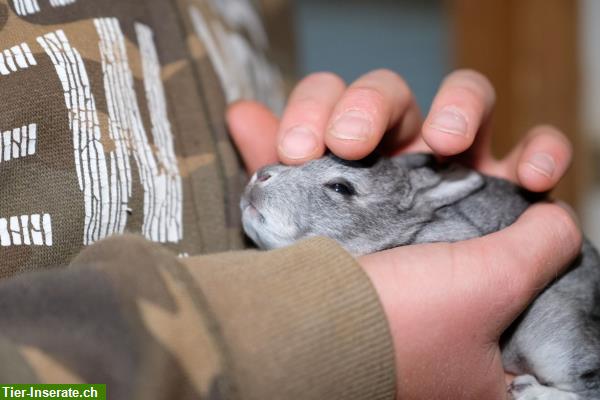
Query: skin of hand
[(447, 304)]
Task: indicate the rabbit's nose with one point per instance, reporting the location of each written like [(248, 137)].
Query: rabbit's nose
[(266, 175), (263, 176)]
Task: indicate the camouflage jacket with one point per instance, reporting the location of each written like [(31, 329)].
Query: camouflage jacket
[(112, 121)]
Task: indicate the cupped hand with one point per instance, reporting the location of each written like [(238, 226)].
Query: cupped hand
[(447, 304), (379, 109)]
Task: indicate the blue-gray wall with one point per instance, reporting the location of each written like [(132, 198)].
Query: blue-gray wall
[(352, 37)]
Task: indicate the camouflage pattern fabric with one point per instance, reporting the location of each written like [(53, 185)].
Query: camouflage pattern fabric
[(299, 323), (112, 121)]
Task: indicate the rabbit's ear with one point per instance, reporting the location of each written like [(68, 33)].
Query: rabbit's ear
[(435, 190)]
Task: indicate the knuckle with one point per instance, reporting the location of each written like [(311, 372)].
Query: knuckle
[(362, 96), (473, 77), (305, 109), (387, 74), (324, 77), (474, 82), (464, 98), (547, 129), (553, 133), (390, 78), (468, 94), (306, 104)]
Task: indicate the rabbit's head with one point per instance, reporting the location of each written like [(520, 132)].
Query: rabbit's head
[(366, 205)]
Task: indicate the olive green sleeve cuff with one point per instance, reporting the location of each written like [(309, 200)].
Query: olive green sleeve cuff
[(303, 322)]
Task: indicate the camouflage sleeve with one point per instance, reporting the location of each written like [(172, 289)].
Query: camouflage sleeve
[(297, 323)]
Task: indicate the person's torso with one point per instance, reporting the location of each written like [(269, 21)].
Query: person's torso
[(112, 121)]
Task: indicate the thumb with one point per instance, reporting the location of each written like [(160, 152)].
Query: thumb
[(253, 128), (515, 264)]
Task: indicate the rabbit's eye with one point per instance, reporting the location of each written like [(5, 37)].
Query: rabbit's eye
[(343, 188)]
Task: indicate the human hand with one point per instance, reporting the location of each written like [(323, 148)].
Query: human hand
[(454, 355), (448, 303), (465, 101)]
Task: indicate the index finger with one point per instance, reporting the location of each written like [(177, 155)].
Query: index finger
[(378, 103), (300, 135), (253, 128)]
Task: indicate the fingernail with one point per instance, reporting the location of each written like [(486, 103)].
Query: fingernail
[(450, 120), (352, 125), (543, 164), (299, 142)]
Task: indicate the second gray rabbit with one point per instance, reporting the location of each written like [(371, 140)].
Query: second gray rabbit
[(376, 204)]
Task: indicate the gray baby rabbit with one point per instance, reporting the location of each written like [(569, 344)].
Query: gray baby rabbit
[(379, 203)]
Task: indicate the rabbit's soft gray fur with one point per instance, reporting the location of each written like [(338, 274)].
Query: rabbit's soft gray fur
[(412, 199)]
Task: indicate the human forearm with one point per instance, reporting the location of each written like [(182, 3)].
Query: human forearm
[(301, 323)]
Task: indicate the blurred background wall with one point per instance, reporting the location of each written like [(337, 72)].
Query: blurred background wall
[(352, 37), (589, 56), (543, 57)]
